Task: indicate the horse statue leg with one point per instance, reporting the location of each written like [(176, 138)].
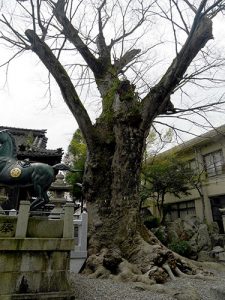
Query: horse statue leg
[(41, 199)]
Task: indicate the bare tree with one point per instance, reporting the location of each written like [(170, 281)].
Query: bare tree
[(111, 46)]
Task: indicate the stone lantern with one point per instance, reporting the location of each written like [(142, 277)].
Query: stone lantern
[(58, 189)]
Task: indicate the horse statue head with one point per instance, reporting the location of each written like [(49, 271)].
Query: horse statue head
[(7, 144)]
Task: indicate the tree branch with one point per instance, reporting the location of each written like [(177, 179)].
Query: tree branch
[(156, 100), (72, 35), (192, 7), (126, 59), (104, 50), (17, 34), (63, 80), (219, 5)]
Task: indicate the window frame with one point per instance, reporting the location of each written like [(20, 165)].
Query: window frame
[(179, 209), (212, 166)]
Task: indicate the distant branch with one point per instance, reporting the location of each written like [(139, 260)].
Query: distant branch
[(194, 109), (157, 99)]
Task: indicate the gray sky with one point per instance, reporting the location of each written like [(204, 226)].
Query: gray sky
[(24, 103)]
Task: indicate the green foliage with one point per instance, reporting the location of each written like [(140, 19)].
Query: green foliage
[(77, 151), (169, 175), (161, 235), (157, 141), (165, 175), (151, 222), (181, 247), (29, 140)]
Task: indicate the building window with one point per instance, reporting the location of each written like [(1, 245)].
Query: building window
[(191, 164), (214, 162), (181, 210)]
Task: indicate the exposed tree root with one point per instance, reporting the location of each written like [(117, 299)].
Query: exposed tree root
[(167, 268), (134, 254), (163, 266)]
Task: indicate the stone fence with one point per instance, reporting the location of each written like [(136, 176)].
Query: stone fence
[(35, 255)]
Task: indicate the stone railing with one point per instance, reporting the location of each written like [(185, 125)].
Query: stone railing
[(21, 225), (35, 255)]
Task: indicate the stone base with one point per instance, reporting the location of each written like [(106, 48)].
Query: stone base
[(35, 268)]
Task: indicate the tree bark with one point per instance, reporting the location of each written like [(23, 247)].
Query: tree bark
[(111, 188)]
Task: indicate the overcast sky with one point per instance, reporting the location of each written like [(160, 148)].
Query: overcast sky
[(24, 102)]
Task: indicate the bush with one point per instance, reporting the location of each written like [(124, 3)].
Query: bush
[(161, 234), (181, 247), (151, 222)]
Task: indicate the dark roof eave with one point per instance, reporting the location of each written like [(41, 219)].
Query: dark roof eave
[(22, 130), (57, 153)]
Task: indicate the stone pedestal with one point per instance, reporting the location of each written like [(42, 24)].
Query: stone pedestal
[(35, 268), (35, 255)]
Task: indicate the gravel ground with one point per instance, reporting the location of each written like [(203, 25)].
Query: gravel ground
[(186, 288)]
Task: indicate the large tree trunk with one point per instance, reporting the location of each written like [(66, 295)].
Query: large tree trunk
[(118, 240)]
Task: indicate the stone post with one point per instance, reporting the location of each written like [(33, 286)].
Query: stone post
[(13, 212), (3, 198), (22, 219), (205, 211), (68, 228), (79, 254), (82, 232), (222, 210)]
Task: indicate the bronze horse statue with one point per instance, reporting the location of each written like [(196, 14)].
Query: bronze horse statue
[(15, 173)]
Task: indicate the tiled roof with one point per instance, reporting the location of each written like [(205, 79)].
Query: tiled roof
[(28, 137), (32, 142)]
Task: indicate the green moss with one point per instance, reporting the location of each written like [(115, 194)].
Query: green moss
[(129, 111), (110, 96)]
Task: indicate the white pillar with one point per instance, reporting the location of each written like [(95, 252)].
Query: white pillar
[(22, 219), (82, 232), (68, 229), (222, 211)]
